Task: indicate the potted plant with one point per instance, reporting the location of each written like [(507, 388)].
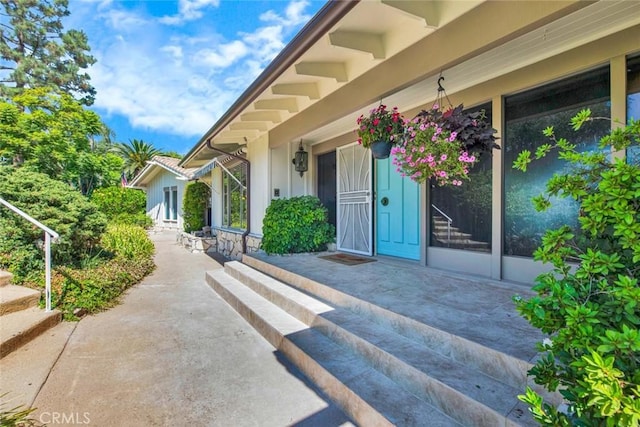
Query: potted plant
[(380, 130), (443, 145)]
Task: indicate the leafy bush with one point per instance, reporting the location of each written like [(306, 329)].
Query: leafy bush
[(295, 225), (98, 288), (194, 205), (122, 205), (56, 205), (590, 303), (127, 241)]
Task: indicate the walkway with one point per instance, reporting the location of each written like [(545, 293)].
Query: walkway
[(173, 354)]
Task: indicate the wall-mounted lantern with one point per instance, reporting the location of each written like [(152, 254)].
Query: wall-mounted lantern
[(301, 160)]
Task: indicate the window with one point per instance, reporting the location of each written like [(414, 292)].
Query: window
[(461, 216), (171, 203), (526, 115), (234, 196), (633, 102)]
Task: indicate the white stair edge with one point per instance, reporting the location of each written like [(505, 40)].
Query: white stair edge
[(239, 297)]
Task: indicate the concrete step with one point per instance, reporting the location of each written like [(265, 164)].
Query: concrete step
[(20, 327), (455, 234), (24, 380), (490, 359), (456, 389), (460, 243), (15, 298), (5, 278), (365, 394)]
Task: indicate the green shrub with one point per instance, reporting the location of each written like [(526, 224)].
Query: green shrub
[(57, 206), (196, 196), (122, 205), (127, 241), (590, 303), (95, 289), (98, 286), (295, 225)]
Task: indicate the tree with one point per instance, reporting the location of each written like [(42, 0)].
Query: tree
[(589, 303), (136, 154), (37, 52), (122, 205), (59, 207), (53, 134), (173, 154)]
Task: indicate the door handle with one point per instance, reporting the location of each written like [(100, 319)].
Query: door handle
[(384, 201)]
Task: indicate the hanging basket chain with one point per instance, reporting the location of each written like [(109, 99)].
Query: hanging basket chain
[(441, 96)]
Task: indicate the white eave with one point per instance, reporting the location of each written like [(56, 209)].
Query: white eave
[(349, 44), (149, 171)]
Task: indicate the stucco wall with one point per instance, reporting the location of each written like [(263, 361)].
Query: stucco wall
[(258, 155), (280, 171)]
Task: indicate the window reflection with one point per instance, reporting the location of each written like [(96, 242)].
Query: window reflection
[(461, 216), (633, 102), (527, 114)]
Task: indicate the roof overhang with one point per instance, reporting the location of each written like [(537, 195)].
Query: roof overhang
[(348, 58), (150, 170)]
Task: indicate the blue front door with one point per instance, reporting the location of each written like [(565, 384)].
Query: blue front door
[(397, 208)]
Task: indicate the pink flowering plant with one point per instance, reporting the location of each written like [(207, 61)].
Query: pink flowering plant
[(443, 145), (380, 125)]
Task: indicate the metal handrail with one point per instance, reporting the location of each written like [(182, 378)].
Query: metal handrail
[(48, 235), (449, 221)]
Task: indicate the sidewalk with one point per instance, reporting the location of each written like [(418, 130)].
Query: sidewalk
[(174, 354)]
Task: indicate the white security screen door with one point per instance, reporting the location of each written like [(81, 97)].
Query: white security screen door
[(354, 227)]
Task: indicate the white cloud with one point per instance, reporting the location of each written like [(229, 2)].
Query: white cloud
[(122, 20), (189, 10), (176, 80), (266, 42), (175, 52), (224, 56), (294, 15)]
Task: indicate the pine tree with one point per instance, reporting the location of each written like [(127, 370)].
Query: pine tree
[(35, 51)]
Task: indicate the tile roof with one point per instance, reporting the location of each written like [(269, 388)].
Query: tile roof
[(171, 163)]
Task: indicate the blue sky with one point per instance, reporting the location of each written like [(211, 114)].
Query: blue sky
[(167, 70)]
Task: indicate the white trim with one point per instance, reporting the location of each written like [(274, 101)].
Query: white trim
[(147, 169)]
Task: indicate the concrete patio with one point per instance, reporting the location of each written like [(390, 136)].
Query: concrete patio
[(479, 309), (390, 341)]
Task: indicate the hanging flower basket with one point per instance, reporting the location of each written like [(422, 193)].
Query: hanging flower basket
[(381, 149), (443, 145), (380, 130)]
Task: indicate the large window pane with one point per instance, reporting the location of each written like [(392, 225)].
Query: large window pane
[(461, 216), (234, 197), (633, 102), (167, 204), (174, 203), (527, 114)]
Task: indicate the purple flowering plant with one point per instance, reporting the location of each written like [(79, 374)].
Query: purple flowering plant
[(443, 145), (380, 125)]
